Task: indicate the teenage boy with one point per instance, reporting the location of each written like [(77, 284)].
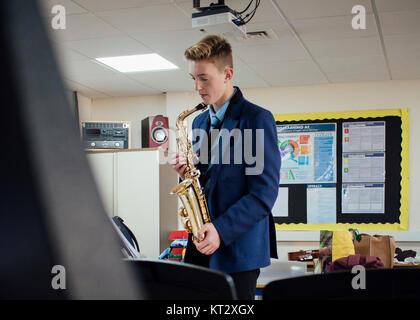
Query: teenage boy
[(240, 239)]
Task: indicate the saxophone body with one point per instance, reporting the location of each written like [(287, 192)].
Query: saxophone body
[(194, 211)]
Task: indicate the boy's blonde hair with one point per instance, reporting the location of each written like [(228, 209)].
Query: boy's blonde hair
[(212, 48)]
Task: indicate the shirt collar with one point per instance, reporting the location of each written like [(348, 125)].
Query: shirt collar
[(220, 114)]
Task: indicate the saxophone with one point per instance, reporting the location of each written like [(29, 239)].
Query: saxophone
[(194, 211)]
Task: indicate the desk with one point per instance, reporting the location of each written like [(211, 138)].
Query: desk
[(405, 265), (279, 270)]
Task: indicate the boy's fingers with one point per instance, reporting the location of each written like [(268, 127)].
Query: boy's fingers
[(181, 169), (177, 160)]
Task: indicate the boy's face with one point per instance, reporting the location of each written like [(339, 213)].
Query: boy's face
[(210, 82)]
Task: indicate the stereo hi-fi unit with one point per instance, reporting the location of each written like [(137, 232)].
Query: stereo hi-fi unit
[(106, 135)]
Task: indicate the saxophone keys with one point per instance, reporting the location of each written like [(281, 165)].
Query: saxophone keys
[(183, 213), (188, 226), (199, 239)]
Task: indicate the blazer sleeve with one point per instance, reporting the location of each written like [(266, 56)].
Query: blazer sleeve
[(263, 188)]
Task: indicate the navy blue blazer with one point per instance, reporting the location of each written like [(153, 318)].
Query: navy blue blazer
[(239, 204)]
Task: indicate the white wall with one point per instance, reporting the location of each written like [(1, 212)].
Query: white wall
[(85, 107), (296, 99)]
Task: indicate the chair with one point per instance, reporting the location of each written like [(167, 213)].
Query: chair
[(381, 284), (168, 280)]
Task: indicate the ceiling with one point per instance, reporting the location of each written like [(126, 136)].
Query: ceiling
[(312, 42)]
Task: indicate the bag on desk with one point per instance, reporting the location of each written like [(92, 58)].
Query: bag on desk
[(333, 246), (382, 247), (342, 244)]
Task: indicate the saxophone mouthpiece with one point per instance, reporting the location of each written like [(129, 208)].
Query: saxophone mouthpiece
[(201, 106)]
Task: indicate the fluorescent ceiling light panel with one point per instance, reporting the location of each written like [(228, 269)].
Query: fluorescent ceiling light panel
[(138, 63)]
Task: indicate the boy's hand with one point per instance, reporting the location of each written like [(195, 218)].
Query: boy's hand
[(179, 164), (211, 240)]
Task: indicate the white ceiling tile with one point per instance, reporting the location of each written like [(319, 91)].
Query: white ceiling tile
[(171, 44), (397, 5), (290, 72), (77, 69), (278, 31), (406, 68), (66, 54), (353, 63), (303, 9), (186, 7), (297, 81), (281, 32), (106, 5), (345, 47), (69, 6), (170, 40), (406, 75), (117, 85), (357, 76), (84, 26), (176, 57), (108, 47), (284, 50), (171, 80), (88, 92), (402, 46), (403, 22), (245, 77), (149, 19), (333, 28), (409, 75), (65, 57)]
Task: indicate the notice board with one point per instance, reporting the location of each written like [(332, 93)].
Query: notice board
[(343, 170)]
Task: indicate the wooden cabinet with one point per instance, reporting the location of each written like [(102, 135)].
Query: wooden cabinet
[(135, 185)]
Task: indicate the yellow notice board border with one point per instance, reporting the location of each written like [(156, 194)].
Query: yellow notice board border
[(339, 115)]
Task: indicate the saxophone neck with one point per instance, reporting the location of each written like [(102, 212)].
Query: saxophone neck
[(186, 113)]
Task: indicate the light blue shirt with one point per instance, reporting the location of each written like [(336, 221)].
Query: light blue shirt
[(217, 117)]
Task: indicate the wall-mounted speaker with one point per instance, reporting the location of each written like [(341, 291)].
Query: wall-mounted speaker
[(155, 132)]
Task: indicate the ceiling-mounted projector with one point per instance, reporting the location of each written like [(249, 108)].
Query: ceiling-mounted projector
[(218, 20)]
